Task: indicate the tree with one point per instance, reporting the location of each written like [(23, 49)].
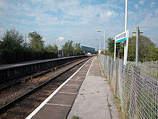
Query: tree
[(11, 46), (147, 49), (11, 41), (131, 49), (68, 48), (119, 47), (111, 42), (50, 48), (36, 42), (77, 48)]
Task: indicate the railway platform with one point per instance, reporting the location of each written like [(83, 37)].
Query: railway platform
[(86, 94)]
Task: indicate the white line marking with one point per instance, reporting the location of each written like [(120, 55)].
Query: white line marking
[(58, 105), (90, 67), (68, 93), (46, 100)]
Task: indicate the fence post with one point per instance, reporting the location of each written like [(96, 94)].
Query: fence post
[(137, 87), (135, 92), (116, 77), (120, 82)]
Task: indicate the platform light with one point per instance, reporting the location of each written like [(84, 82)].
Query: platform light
[(104, 38), (98, 30)]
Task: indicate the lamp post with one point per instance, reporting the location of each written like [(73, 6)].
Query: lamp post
[(104, 38), (99, 43), (58, 44)]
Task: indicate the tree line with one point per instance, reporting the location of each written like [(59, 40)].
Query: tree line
[(148, 51), (13, 48)]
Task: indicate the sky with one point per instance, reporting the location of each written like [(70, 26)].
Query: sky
[(78, 20)]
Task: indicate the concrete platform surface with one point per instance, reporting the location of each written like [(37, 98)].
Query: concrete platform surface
[(95, 99)]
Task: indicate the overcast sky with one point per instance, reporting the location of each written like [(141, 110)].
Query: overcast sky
[(78, 20)]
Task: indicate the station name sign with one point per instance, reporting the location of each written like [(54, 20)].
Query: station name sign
[(121, 37)]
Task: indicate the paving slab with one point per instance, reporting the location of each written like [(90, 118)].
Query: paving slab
[(63, 98), (52, 112), (74, 82), (79, 77), (69, 89)]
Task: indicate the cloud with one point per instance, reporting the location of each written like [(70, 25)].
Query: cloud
[(156, 12), (141, 2), (26, 7), (60, 39), (70, 12), (149, 21), (54, 18), (3, 4), (152, 4), (136, 6), (49, 13), (108, 14)]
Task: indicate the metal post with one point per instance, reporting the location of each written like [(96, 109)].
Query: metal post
[(104, 41), (126, 42), (115, 52), (126, 5), (100, 41), (98, 47), (99, 44), (137, 39)]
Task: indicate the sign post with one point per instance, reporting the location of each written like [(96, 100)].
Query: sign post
[(120, 38), (137, 33), (123, 37)]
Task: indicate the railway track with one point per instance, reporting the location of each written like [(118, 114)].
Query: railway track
[(30, 94)]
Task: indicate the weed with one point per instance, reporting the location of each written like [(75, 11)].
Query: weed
[(75, 117), (23, 81), (109, 105), (119, 107)]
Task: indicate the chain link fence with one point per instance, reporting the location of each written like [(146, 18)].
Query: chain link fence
[(136, 87)]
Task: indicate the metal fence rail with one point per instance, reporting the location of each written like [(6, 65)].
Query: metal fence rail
[(136, 87)]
